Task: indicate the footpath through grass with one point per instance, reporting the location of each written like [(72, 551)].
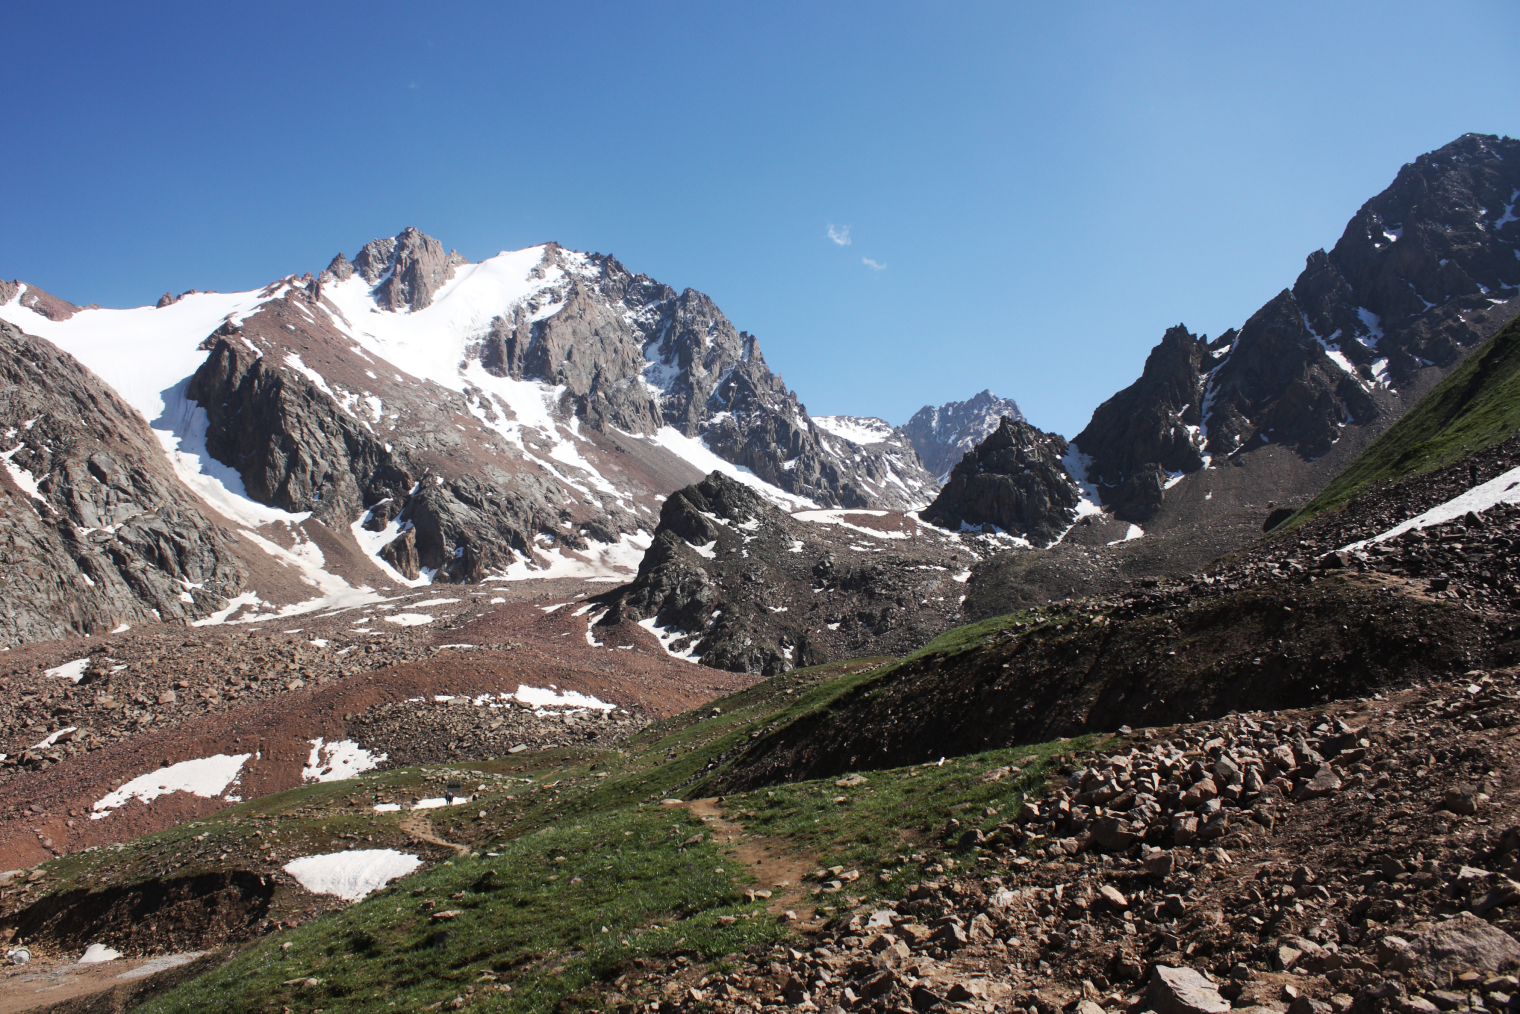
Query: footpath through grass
[(578, 873)]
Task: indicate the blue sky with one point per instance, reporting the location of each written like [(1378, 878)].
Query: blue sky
[(1032, 193)]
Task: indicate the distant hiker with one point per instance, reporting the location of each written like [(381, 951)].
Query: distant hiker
[(1472, 473)]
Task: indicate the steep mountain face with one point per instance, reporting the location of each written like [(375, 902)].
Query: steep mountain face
[(738, 584), (883, 453), (1422, 273), (943, 435), (95, 530), (1014, 480), (435, 419)]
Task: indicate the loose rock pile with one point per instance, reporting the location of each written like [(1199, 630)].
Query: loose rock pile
[(426, 732), (154, 679), (1363, 857)]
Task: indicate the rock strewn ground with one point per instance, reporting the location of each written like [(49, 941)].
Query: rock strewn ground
[(1358, 857)]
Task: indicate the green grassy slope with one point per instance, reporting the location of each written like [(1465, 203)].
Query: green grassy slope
[(1475, 406), (575, 873)]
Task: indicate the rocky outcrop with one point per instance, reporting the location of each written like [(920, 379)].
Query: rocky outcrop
[(1014, 480), (1423, 272), (95, 530), (33, 298), (943, 435), (1149, 428), (454, 513), (1310, 397), (406, 270), (741, 585), (635, 355)]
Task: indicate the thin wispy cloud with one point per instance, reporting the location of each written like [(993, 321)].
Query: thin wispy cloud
[(873, 265), (840, 234)]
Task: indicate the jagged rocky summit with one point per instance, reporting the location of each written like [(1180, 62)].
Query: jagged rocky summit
[(421, 417), (943, 435), (1014, 481), (1423, 272)]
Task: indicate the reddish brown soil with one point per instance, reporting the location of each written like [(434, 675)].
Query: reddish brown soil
[(534, 647)]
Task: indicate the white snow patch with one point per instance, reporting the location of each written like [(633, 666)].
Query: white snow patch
[(666, 637), (71, 671), (54, 737), (1134, 532), (23, 478), (351, 875), (600, 561), (837, 517), (435, 802), (854, 428), (708, 551), (538, 697), (333, 762), (1504, 489), (97, 953), (408, 619), (696, 452), (206, 777)]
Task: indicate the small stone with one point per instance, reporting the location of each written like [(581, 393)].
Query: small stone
[(1389, 947), (1460, 800), (1159, 863), (1183, 991), (1113, 896), (962, 992), (1308, 1005), (1284, 957), (1324, 782), (1416, 1005)]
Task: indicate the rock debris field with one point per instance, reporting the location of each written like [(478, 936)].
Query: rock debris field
[(1360, 857)]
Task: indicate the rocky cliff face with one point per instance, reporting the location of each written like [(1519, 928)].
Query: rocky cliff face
[(943, 435), (1014, 480), (95, 530), (634, 355), (1423, 272), (405, 270), (430, 499), (524, 416), (735, 582)]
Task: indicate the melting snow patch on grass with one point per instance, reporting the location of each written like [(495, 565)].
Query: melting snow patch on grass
[(437, 801), (73, 671), (333, 762), (206, 777), (351, 875)]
